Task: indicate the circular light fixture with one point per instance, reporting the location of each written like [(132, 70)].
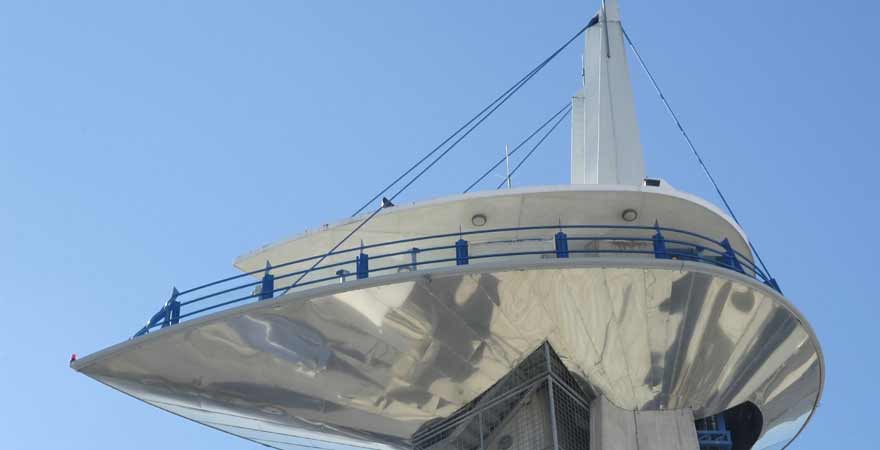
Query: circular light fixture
[(478, 220), (505, 442), (629, 215)]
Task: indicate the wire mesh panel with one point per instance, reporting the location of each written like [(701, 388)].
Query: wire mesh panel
[(561, 373), (525, 426), (572, 420), (518, 413)]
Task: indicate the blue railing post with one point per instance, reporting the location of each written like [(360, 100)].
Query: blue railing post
[(171, 305), (561, 245), (414, 261), (461, 252), (362, 262), (659, 243), (730, 256), (175, 311), (719, 420), (267, 287)]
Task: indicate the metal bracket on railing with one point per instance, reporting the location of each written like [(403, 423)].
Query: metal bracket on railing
[(362, 262), (342, 274), (151, 323), (772, 283), (698, 252), (730, 256), (168, 315), (659, 243), (267, 287), (561, 245), (461, 252)]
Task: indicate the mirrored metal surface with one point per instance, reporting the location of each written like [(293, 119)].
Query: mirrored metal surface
[(368, 362)]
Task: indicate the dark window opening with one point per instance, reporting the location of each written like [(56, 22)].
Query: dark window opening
[(737, 428)]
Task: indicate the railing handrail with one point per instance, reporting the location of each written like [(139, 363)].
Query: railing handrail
[(724, 255), (452, 234)]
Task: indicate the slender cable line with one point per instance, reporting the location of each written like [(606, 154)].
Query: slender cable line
[(538, 144), (690, 143), (500, 98), (479, 118), (524, 141)]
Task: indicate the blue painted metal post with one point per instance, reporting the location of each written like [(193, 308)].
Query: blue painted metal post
[(363, 265), (267, 287), (414, 259), (175, 312), (170, 306), (561, 245), (724, 438), (730, 256), (461, 252), (659, 244), (720, 423)]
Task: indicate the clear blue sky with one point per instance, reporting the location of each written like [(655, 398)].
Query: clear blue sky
[(144, 145)]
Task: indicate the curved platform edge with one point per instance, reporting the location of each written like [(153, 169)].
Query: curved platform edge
[(354, 285)]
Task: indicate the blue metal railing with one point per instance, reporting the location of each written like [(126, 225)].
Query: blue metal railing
[(401, 255)]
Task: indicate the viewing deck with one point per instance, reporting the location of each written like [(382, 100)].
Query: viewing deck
[(664, 310), (533, 243)]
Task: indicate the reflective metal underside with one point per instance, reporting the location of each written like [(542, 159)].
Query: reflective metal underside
[(368, 362)]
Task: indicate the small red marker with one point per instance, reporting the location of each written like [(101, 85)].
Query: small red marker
[(73, 357)]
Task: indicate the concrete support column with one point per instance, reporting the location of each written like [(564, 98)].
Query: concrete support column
[(613, 428)]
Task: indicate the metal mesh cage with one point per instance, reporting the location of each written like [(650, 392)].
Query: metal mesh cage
[(572, 420), (539, 405)]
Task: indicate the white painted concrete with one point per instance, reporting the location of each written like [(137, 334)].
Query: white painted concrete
[(613, 428)]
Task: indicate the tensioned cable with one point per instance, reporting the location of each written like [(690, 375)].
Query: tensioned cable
[(535, 147), (479, 118), (690, 143), (501, 98), (524, 141)]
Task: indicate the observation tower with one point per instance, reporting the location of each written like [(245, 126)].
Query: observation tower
[(613, 313)]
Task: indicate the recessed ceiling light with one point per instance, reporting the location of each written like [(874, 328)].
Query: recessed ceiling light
[(629, 215), (478, 220)]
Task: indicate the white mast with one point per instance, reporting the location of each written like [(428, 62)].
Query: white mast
[(605, 146)]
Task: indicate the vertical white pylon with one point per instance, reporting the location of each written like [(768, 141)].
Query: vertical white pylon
[(605, 146)]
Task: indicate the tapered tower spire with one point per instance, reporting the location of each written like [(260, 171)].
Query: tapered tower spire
[(605, 146)]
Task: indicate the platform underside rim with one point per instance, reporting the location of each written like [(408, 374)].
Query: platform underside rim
[(604, 263)]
